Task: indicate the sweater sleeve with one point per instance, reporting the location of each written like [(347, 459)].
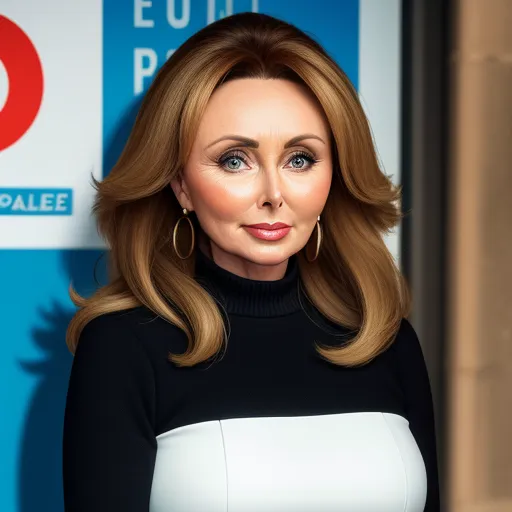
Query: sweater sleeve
[(415, 383), (109, 447)]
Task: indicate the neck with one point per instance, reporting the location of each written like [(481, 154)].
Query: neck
[(250, 297)]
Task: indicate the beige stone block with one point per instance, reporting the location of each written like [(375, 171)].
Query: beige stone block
[(482, 28), (481, 239)]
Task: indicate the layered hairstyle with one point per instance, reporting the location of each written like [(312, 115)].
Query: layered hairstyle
[(354, 282)]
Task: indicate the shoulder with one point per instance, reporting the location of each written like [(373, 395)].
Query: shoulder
[(106, 334), (135, 331), (110, 327), (115, 333), (130, 322), (406, 340), (405, 351)]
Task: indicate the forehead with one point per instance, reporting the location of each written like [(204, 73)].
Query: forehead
[(262, 108)]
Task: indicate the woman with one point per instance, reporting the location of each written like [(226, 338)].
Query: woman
[(251, 351)]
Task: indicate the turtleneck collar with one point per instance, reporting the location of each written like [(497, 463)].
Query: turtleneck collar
[(249, 297)]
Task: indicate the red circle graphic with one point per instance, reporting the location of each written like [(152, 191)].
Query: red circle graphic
[(20, 58)]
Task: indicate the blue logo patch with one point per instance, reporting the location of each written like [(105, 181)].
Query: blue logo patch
[(36, 201)]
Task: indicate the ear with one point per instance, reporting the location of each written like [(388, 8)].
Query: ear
[(180, 189)]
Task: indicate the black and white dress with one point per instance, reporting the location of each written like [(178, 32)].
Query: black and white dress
[(267, 427)]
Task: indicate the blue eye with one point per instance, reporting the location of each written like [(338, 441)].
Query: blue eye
[(304, 156), (225, 160), (232, 157)]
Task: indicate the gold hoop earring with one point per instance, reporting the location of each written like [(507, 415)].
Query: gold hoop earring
[(318, 241), (185, 216)]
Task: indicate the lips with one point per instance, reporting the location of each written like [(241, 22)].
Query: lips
[(276, 232), (269, 227)]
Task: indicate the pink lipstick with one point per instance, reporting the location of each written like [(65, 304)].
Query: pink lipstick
[(266, 231)]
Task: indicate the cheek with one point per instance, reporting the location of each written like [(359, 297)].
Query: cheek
[(310, 195), (222, 200)]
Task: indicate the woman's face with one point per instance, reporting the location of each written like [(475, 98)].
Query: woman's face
[(261, 155)]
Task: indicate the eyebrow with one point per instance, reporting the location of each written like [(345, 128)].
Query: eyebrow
[(251, 143)]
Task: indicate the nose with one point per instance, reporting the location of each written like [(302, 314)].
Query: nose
[(271, 188)]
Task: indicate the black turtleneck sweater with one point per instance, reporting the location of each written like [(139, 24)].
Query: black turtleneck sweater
[(269, 427)]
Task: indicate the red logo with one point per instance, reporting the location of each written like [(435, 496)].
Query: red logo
[(25, 74)]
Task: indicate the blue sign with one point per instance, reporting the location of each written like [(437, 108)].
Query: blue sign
[(36, 201)]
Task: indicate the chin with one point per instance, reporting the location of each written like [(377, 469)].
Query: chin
[(270, 256)]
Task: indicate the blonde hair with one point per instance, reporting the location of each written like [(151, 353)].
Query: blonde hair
[(354, 281)]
